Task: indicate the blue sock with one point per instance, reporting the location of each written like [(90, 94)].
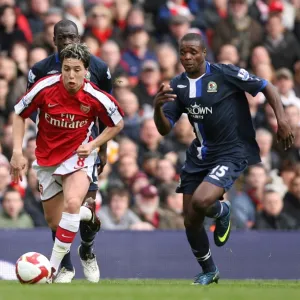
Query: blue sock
[(87, 240), (66, 261), (217, 210), (200, 246)]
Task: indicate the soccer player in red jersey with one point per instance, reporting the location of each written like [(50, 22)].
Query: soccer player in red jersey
[(67, 106)]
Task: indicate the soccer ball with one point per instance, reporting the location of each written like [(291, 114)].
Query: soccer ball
[(33, 267)]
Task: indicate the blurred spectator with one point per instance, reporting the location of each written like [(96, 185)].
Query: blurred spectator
[(5, 106), (74, 11), (292, 200), (151, 140), (136, 52), (246, 203), (135, 17), (127, 147), (272, 215), (117, 215), (170, 199), (32, 201), (293, 153), (121, 11), (149, 164), (36, 54), (165, 172), (37, 10), (93, 44), (292, 113), (178, 25), (228, 54), (19, 53), (282, 45), (111, 54), (29, 152), (270, 159), (239, 30), (167, 59), (127, 168), (287, 172), (9, 31), (259, 56), (297, 79), (148, 84), (147, 208), (4, 180), (130, 105), (176, 8), (13, 215), (100, 24), (45, 38), (265, 71), (284, 83), (212, 14)]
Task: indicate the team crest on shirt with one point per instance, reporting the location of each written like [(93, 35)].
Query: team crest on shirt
[(212, 87), (85, 108), (88, 75)]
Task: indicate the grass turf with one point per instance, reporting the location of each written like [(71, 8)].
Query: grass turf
[(152, 290)]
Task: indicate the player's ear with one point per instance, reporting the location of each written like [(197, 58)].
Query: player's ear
[(54, 40), (204, 51)]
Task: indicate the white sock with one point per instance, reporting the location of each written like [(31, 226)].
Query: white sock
[(85, 214), (65, 234)]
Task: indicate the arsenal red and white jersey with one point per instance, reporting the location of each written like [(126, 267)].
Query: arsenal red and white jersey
[(64, 121)]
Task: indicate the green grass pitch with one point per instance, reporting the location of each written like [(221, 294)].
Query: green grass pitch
[(152, 289)]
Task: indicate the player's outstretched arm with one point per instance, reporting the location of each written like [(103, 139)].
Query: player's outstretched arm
[(163, 96), (107, 134), (18, 162), (284, 132)]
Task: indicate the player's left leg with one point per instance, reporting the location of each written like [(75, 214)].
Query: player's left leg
[(88, 232), (75, 187), (195, 207)]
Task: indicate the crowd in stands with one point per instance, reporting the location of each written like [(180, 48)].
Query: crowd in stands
[(139, 42)]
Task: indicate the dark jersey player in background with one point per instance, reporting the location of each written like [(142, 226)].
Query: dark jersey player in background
[(213, 96), (65, 33)]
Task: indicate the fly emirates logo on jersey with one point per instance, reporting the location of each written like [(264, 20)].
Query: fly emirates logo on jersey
[(66, 121), (198, 112)]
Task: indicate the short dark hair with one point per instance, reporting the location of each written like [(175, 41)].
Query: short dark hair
[(10, 189), (64, 23), (77, 51), (120, 191), (193, 37)]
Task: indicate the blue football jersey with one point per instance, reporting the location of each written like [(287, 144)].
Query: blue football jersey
[(98, 74), (218, 110)]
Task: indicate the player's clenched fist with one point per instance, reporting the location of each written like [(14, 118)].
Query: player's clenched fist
[(85, 150), (164, 95)]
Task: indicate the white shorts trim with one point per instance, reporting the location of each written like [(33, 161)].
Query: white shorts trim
[(50, 178)]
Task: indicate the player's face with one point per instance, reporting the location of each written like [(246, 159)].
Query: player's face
[(73, 73), (65, 36), (192, 57)]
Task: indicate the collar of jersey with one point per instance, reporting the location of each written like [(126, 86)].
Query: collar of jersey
[(207, 70)]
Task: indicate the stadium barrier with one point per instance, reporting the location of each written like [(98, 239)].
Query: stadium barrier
[(165, 254)]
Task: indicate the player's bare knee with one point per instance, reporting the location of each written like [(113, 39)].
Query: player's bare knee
[(72, 205), (201, 203)]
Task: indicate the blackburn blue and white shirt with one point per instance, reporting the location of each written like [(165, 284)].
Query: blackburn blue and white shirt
[(218, 110)]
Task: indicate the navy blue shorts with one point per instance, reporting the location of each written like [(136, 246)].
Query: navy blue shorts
[(222, 175), (94, 185)]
